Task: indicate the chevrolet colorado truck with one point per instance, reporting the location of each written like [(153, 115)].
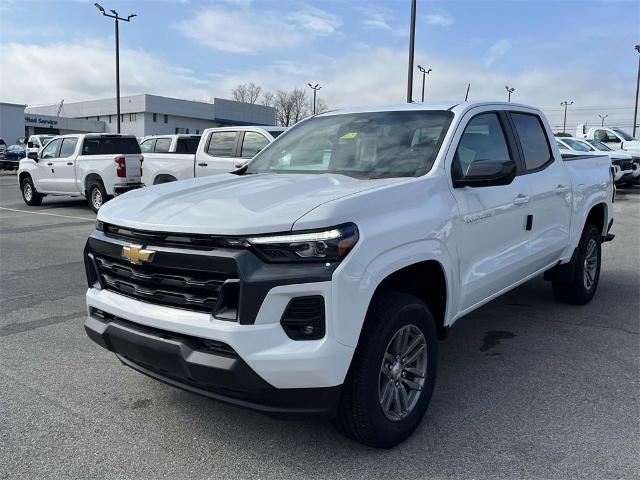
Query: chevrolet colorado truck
[(319, 277), (95, 166), (219, 150)]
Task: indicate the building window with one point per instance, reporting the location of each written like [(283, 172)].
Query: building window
[(121, 118), (197, 132), (166, 119), (109, 118), (98, 118), (187, 130), (132, 117), (155, 117)]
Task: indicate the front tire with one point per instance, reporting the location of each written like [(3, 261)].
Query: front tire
[(393, 372), (582, 287), (29, 193), (97, 196)]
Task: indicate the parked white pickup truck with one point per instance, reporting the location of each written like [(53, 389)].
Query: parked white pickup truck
[(95, 166), (614, 138), (319, 277), (219, 150), (36, 142)]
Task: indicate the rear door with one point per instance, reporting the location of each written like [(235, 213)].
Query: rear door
[(492, 247), (219, 153), (550, 186), (64, 165)]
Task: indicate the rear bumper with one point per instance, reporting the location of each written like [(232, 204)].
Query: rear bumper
[(123, 188), (209, 368)]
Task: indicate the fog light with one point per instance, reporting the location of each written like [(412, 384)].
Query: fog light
[(304, 318)]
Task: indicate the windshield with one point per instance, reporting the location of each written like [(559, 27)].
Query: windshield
[(625, 136), (577, 145), (599, 145), (361, 145)]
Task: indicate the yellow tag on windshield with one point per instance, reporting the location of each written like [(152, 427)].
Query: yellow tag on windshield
[(349, 136)]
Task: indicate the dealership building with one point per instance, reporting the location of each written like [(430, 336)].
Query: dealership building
[(140, 115)]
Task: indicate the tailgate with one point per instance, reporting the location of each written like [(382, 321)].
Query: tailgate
[(133, 167)]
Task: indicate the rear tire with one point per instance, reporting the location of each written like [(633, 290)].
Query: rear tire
[(29, 193), (97, 195), (582, 287), (387, 392)]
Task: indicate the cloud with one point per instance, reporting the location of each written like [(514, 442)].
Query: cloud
[(381, 18), (497, 51), (440, 19), (244, 30)]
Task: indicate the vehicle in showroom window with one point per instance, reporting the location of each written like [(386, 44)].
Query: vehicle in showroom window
[(219, 150), (318, 278), (94, 166)]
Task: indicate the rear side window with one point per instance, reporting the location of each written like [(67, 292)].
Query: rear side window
[(110, 146), (68, 147), (187, 145), (163, 145), (147, 145), (253, 142), (535, 145), (221, 144)]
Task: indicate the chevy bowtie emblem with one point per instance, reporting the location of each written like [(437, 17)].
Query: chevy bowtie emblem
[(136, 254)]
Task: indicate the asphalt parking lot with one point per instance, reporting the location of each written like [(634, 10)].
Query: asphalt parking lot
[(527, 387)]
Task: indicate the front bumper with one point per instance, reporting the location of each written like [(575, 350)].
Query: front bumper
[(211, 369)]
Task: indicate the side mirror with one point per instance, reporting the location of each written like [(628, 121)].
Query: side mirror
[(487, 174), (33, 156), (31, 145)]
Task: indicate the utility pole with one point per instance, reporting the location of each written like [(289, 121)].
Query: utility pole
[(602, 117), (565, 104), (635, 110), (117, 18), (509, 92), (412, 43), (466, 97), (315, 89), (425, 72)]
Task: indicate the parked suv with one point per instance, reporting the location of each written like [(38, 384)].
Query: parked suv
[(94, 166)]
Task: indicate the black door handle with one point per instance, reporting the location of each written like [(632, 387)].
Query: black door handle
[(69, 163), (50, 163), (203, 164)]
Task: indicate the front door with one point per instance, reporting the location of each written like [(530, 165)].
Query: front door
[(219, 155), (45, 169), (493, 243)]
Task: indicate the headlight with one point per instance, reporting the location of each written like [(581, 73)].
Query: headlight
[(326, 245), (99, 225)]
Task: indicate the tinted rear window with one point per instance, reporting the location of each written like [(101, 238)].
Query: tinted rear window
[(110, 146), (187, 145), (533, 139)]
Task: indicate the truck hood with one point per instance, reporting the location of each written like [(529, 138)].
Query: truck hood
[(228, 204), (632, 145)]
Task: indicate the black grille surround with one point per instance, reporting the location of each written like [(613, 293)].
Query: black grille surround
[(230, 283)]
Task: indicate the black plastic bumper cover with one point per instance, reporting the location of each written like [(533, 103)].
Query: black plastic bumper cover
[(186, 363)]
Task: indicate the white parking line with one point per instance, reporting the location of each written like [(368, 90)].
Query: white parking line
[(50, 214)]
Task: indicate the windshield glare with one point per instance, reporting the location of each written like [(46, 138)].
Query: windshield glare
[(361, 145), (599, 145), (625, 136), (577, 146)]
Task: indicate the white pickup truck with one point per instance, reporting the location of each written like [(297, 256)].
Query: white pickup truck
[(95, 166), (614, 138), (36, 142), (219, 150), (318, 278)]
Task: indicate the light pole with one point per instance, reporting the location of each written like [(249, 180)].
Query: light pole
[(509, 91), (565, 104), (412, 42), (315, 89), (602, 117), (635, 110), (117, 19), (425, 72), (466, 97)]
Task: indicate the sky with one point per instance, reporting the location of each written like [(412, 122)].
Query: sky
[(548, 50)]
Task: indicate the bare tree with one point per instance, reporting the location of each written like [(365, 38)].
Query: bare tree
[(268, 98), (247, 93), (300, 105)]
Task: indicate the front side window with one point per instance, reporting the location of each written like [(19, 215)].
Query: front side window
[(483, 140), (147, 145), (163, 145), (364, 145), (51, 149), (253, 142), (221, 144), (533, 139), (68, 147)]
